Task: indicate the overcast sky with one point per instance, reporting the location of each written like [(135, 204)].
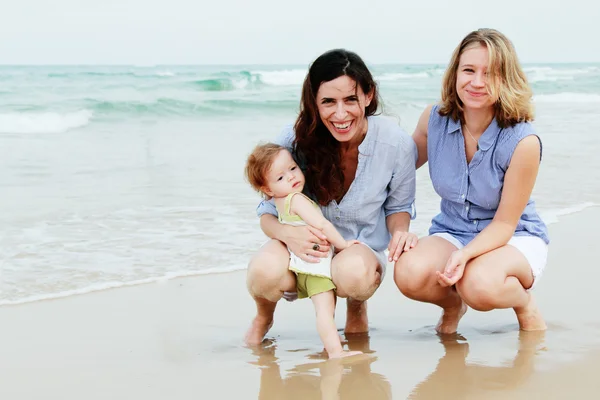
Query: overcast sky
[(148, 32)]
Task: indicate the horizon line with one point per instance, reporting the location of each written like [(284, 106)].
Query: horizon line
[(142, 65)]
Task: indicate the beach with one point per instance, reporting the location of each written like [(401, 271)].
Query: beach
[(126, 227), (182, 339)]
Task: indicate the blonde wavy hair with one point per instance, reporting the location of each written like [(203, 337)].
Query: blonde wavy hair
[(507, 83)]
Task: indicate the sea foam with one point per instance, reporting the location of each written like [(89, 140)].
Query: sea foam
[(45, 122)]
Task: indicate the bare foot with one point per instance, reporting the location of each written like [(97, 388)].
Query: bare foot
[(448, 322), (356, 317), (344, 354), (258, 329), (530, 318)]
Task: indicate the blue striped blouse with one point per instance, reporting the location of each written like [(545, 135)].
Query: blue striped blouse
[(471, 192)]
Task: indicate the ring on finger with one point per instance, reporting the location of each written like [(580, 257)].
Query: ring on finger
[(316, 247)]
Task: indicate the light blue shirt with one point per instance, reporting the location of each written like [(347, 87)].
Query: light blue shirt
[(384, 184), (471, 192)]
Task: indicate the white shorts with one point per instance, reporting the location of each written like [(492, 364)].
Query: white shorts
[(381, 257), (533, 248)]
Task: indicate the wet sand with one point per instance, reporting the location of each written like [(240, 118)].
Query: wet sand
[(182, 339)]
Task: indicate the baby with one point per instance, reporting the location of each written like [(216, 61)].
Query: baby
[(271, 170)]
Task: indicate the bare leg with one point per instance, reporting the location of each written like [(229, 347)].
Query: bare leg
[(325, 308), (357, 275), (498, 280), (529, 317), (268, 277), (414, 274)]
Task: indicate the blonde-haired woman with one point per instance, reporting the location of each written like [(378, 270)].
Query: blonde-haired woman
[(488, 246)]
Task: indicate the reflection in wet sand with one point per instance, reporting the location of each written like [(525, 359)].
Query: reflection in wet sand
[(347, 378), (454, 378)]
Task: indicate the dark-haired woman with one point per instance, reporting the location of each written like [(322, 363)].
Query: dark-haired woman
[(360, 169)]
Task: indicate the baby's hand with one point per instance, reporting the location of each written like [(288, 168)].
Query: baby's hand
[(351, 242)]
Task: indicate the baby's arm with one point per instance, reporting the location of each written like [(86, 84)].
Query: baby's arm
[(302, 207)]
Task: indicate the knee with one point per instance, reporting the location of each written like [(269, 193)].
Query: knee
[(478, 291), (356, 280), (264, 273), (410, 275)]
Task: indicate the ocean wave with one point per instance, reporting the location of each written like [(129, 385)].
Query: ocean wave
[(114, 285), (549, 74), (395, 76), (174, 107), (159, 107), (552, 216), (43, 122), (112, 74), (567, 98), (291, 77), (227, 81)]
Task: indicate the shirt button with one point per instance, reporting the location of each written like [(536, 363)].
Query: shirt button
[(474, 222), (467, 208), (462, 196)]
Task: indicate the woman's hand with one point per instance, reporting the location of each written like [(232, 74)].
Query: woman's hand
[(306, 242), (454, 270), (401, 241)]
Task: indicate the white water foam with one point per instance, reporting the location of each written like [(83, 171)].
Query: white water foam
[(293, 77), (46, 122), (400, 76), (114, 285), (552, 216), (567, 98)]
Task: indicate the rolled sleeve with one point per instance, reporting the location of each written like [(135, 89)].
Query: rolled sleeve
[(402, 187)]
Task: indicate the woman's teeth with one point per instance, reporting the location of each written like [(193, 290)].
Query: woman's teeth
[(342, 126)]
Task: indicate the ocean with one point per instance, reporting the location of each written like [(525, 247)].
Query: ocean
[(120, 175)]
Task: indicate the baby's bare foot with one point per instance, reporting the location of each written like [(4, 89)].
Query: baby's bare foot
[(257, 331), (345, 354)]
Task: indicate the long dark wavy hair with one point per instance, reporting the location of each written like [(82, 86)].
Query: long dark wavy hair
[(317, 149)]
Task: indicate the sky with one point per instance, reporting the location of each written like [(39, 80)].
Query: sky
[(151, 32)]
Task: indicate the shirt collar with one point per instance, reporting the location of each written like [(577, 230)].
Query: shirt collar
[(365, 146), (486, 140)]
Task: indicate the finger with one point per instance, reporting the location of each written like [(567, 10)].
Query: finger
[(392, 245), (441, 279), (453, 280), (317, 232), (323, 248), (414, 241), (409, 242), (400, 247), (316, 255), (312, 240), (309, 258), (450, 267), (445, 281)]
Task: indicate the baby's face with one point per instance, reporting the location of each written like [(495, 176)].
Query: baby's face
[(284, 176)]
